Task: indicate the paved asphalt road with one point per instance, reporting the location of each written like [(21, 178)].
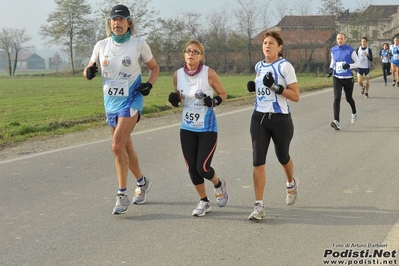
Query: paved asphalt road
[(55, 207)]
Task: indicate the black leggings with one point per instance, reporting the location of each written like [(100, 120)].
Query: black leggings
[(198, 149), (347, 85), (386, 70), (266, 126)]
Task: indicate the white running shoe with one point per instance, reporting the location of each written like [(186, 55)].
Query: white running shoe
[(121, 205), (335, 125), (259, 212), (140, 193), (292, 193), (354, 118), (221, 194), (202, 208)]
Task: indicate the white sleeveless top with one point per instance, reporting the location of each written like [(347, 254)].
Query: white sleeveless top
[(196, 116), (267, 101), (121, 72)]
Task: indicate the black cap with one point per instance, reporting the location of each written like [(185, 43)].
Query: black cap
[(119, 11)]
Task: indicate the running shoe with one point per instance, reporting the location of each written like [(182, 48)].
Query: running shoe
[(335, 125), (385, 84), (140, 193), (393, 83), (259, 212), (366, 95), (353, 118), (362, 91), (221, 194), (397, 84), (292, 193), (122, 203), (202, 208)]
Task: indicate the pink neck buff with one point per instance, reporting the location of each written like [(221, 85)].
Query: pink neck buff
[(195, 71)]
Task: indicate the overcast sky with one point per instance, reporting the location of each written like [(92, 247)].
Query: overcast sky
[(30, 14)]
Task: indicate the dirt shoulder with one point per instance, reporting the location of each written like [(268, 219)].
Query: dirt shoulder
[(57, 142)]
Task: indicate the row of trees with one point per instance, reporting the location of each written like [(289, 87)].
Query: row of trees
[(71, 28), (75, 28)]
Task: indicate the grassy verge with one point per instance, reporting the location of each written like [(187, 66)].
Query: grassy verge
[(35, 106)]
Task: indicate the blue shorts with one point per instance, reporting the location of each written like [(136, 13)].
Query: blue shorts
[(394, 62), (365, 71), (112, 118)]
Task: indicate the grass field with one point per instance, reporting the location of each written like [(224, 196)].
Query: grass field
[(32, 106)]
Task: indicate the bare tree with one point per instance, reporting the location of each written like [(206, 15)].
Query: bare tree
[(331, 7), (362, 5), (20, 40), (303, 7), (12, 41), (216, 40), (192, 22), (247, 15), (145, 17), (67, 25), (264, 23), (56, 61), (169, 36), (366, 23), (6, 44), (84, 44), (282, 8), (166, 39)]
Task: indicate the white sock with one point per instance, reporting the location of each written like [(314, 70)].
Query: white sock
[(122, 191), (260, 202), (141, 181), (291, 184)]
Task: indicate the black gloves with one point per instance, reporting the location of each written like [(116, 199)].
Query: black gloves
[(268, 81), (346, 66), (208, 101), (145, 88), (329, 72), (91, 71), (277, 88), (251, 86), (174, 99)]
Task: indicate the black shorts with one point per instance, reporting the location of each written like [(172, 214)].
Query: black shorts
[(267, 126), (363, 71)]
